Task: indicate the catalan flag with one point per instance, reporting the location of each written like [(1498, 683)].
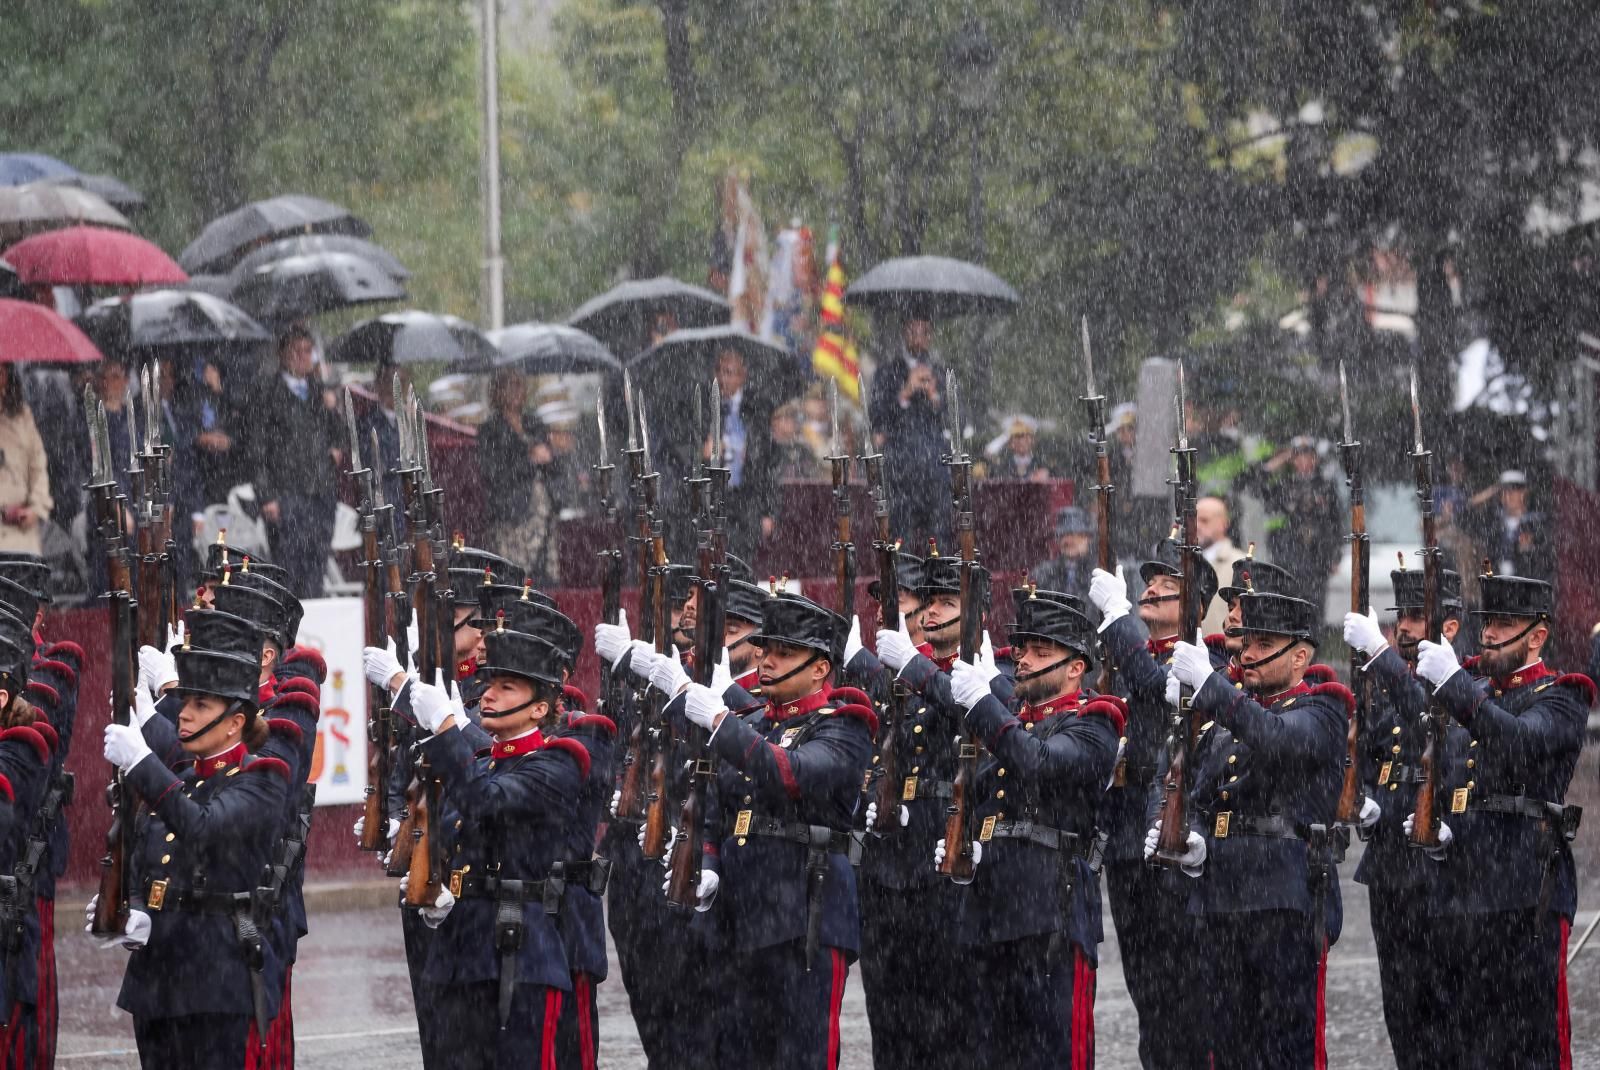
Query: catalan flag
[(835, 354)]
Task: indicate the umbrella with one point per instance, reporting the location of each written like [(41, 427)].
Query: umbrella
[(936, 286), (40, 206), (17, 168), (412, 337), (32, 333), (544, 349), (10, 285), (302, 286), (115, 192), (227, 238), (92, 256), (163, 319), (618, 315), (215, 285), (685, 358), (301, 244)]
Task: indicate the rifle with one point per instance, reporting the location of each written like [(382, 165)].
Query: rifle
[(658, 789), (643, 488), (1350, 794), (610, 563), (711, 557), (890, 791), (1105, 493), (375, 829), (1172, 843), (111, 908), (152, 512), (958, 862), (844, 551), (1429, 812)]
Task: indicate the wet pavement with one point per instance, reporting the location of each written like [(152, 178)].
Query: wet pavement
[(353, 1002)]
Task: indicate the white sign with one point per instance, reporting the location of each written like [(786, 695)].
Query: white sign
[(333, 627)]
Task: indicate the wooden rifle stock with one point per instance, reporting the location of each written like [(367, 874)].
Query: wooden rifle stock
[(1429, 812), (111, 907), (684, 878), (424, 877), (1350, 793), (958, 855), (1172, 841), (1106, 553), (375, 826), (890, 788), (631, 789), (657, 801)]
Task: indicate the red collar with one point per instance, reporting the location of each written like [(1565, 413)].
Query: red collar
[(749, 680), (945, 664), (1034, 713), (466, 668), (515, 748), (266, 690), (1161, 647), (1302, 688), (925, 649), (208, 767), (798, 708), (1523, 677)]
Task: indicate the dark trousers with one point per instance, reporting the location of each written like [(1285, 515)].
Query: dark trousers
[(196, 1042), (423, 995), (784, 1015), (1416, 993), (1155, 937), (469, 1026), (301, 540), (1264, 992), (1033, 1012), (1507, 1008), (918, 1018), (667, 970), (578, 1033)]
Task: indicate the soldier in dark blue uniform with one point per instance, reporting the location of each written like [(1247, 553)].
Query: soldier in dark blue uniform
[(1147, 906), (1030, 918), (1401, 881), (779, 837), (1507, 883), (198, 857), (1264, 784)]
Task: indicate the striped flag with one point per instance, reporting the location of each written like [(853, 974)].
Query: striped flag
[(835, 354)]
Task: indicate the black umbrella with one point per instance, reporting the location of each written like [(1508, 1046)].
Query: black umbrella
[(301, 286), (215, 285), (10, 285), (684, 359), (166, 319), (301, 244), (934, 286), (544, 349), (115, 192), (412, 337), (227, 238), (618, 316)]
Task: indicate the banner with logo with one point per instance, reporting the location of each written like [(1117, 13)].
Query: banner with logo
[(333, 627)]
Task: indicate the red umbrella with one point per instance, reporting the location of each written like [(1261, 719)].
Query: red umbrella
[(33, 333), (92, 256)]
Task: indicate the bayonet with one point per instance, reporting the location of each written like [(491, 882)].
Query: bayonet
[(1088, 361), (644, 435), (354, 432), (133, 429), (633, 411), (833, 415), (958, 436), (1183, 408), (419, 428), (716, 423), (377, 473), (1344, 404), (600, 418), (1416, 413)]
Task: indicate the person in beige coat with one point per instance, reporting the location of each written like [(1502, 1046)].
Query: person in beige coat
[(24, 473), (1211, 527)]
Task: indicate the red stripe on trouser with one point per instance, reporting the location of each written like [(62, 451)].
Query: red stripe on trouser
[(280, 1037), (1563, 1013), (835, 1002), (583, 988), (1082, 1011), (45, 1045), (1321, 1062), (552, 1018), (254, 1059)]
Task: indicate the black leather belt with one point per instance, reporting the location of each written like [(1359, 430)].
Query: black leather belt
[(159, 897), (1227, 823), (845, 843), (1042, 835), (1563, 817), (592, 874), (482, 886), (1403, 774), (931, 789)]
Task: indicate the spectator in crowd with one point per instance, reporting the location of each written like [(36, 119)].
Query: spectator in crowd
[(294, 433), (52, 395), (747, 452), (1015, 454), (907, 405), (567, 475), (792, 457), (1307, 528), (514, 465), (381, 422), (1068, 570), (1514, 538), (1212, 523), (25, 501), (188, 491), (814, 426), (213, 418)]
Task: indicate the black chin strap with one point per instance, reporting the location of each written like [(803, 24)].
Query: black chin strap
[(231, 709), (803, 666), (507, 713), (927, 629), (1268, 660), (1532, 624), (1024, 677)]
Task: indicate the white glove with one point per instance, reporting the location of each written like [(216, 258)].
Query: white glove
[(852, 641), (430, 705), (642, 658), (144, 707), (157, 670), (872, 815), (434, 916), (702, 705), (672, 841), (1110, 596), (1436, 662), (1446, 838), (125, 746), (136, 933), (1191, 663), (611, 640), (175, 634), (970, 683), (360, 828), (1361, 632), (381, 666), (1173, 693), (986, 655), (705, 892), (895, 648), (721, 673), (667, 675), (977, 856), (1193, 858), (616, 801), (1369, 812)]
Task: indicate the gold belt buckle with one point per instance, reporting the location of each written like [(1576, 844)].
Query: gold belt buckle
[(987, 832), (1221, 829), (456, 877), (158, 895), (741, 824), (1458, 801), (908, 791), (1383, 774)]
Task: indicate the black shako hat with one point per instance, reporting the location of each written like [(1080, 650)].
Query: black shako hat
[(745, 600), (1169, 562), (798, 621), (1514, 596), (493, 597), (1041, 615), (739, 569), (509, 653), (221, 655), (681, 580), (471, 559), (219, 554), (14, 663), (909, 570), (293, 611), (940, 575), (1258, 576), (19, 599), (27, 569), (543, 622), (268, 614), (1276, 614), (1408, 591)]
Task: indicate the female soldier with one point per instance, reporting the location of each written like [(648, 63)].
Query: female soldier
[(202, 983)]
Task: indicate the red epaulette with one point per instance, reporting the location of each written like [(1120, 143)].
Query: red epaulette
[(53, 665), (298, 699), (593, 722), (300, 685), (1002, 652), (1340, 692), (574, 750), (312, 657), (1470, 663), (25, 734), (285, 727), (66, 648), (1320, 674), (6, 790), (573, 698), (1581, 682), (1111, 707), (39, 687), (48, 731), (844, 695), (1217, 641), (859, 710), (268, 765)]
